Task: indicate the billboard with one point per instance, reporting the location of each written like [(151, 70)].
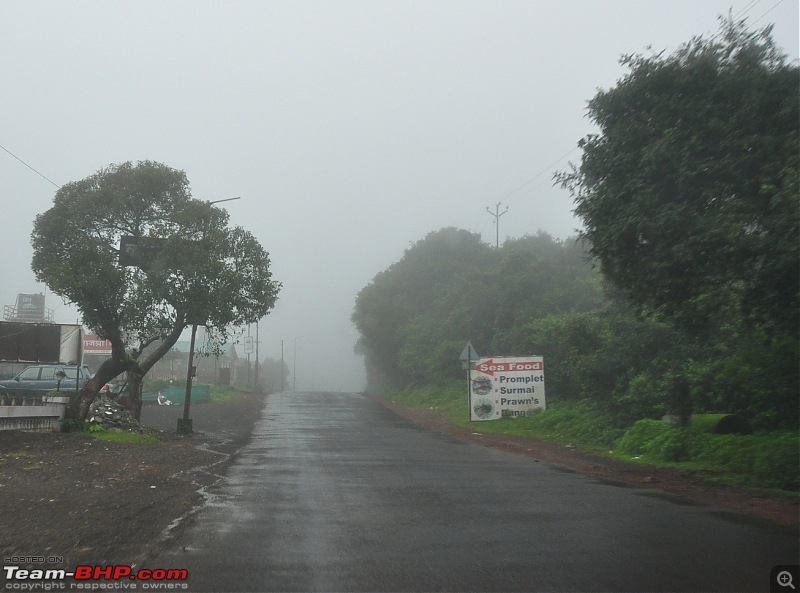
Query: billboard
[(40, 343), (94, 344), (506, 386), (30, 308)]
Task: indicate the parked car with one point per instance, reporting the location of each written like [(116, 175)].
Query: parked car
[(41, 378)]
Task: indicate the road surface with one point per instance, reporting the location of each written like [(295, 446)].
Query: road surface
[(335, 493)]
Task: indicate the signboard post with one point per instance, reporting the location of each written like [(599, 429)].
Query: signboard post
[(468, 355), (506, 386)]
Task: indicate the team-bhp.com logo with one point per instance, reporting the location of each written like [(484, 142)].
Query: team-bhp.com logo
[(94, 577)]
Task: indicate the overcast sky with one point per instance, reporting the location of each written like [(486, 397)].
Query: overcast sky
[(349, 129)]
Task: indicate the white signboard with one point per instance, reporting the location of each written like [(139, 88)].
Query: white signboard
[(506, 386), (248, 345)]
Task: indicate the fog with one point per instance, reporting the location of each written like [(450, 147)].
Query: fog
[(350, 129)]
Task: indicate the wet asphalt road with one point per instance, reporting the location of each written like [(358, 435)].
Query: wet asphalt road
[(335, 493)]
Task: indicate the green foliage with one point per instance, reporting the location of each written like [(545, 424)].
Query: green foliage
[(584, 423), (765, 460), (415, 317), (689, 196), (639, 438), (120, 436), (221, 394), (643, 398), (706, 422), (195, 268), (449, 397), (689, 191)]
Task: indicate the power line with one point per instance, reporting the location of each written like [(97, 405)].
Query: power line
[(766, 13), (29, 167), (747, 8), (540, 173)]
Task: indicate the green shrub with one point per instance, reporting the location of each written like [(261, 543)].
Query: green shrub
[(673, 445), (706, 422), (639, 438), (776, 462)]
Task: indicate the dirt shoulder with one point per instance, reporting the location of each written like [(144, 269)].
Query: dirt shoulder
[(775, 508), (83, 500)]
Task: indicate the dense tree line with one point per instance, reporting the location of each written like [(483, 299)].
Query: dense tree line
[(538, 295), (689, 198)]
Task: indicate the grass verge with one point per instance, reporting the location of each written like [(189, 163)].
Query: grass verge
[(120, 436), (765, 460), (221, 394)]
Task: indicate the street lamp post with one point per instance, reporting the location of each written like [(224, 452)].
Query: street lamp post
[(185, 423)]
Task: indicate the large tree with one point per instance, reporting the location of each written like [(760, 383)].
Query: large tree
[(189, 267), (450, 287), (689, 191)]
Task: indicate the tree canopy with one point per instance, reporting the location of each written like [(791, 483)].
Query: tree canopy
[(450, 287), (191, 267), (689, 192)]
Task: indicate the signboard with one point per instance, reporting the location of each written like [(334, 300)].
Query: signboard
[(248, 345), (468, 356), (93, 344), (506, 386), (40, 343), (30, 308), (140, 252)]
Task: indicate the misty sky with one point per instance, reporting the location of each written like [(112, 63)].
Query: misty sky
[(351, 129)]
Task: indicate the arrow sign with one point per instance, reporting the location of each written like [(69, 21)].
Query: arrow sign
[(489, 367), (468, 353)]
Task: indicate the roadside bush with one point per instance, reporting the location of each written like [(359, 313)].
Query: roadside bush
[(643, 398), (776, 462), (766, 460), (706, 422), (584, 422), (673, 445), (639, 438)]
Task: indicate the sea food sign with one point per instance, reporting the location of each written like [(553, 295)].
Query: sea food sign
[(506, 386)]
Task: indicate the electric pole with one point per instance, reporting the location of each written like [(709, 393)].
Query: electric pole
[(497, 214), (283, 374)]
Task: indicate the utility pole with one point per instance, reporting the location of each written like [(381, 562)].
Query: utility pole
[(258, 381), (294, 367), (283, 376), (497, 214), (185, 423)]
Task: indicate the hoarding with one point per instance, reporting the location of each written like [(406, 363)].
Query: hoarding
[(94, 344), (506, 386), (40, 343)]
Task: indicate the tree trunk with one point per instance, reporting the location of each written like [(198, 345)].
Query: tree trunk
[(79, 406), (132, 400)]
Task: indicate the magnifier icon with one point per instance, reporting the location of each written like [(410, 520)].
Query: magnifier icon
[(784, 579)]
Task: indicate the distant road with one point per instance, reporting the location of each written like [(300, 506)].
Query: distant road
[(335, 493)]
